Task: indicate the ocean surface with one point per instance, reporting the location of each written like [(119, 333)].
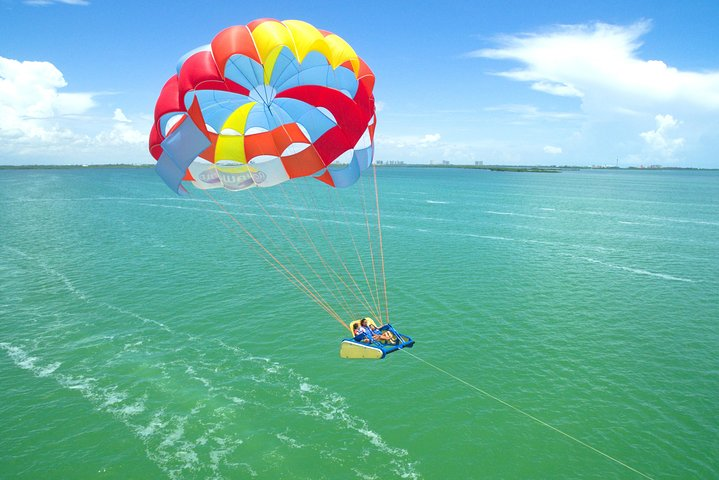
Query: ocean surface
[(145, 335)]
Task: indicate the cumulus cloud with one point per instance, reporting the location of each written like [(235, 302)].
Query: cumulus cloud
[(531, 112), (659, 140), (29, 99), (430, 138), (119, 116), (600, 63), (410, 141), (37, 118), (552, 150), (600, 67), (30, 89), (421, 148), (121, 134), (559, 89)]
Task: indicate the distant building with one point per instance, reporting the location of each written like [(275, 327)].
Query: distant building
[(478, 163)]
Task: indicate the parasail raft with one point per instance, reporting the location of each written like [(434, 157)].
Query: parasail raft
[(361, 347)]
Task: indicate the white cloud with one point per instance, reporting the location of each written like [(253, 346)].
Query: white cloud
[(119, 116), (121, 134), (38, 122), (410, 141), (599, 62), (600, 66), (559, 89), (30, 89), (530, 112), (659, 140), (422, 148), (29, 99), (552, 150), (430, 138)]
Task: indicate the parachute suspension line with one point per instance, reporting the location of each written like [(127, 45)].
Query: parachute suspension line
[(266, 258), (354, 291), (370, 243), (330, 271), (305, 286), (308, 209), (343, 301), (284, 271), (288, 239), (528, 415), (287, 259), (278, 265), (371, 252), (381, 250), (376, 311)]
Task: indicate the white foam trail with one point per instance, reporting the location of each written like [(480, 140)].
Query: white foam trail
[(173, 446), (288, 440), (316, 401), (320, 403), (486, 237), (638, 223), (27, 362), (637, 271), (438, 202), (684, 220), (333, 407), (80, 294), (109, 399), (288, 218), (513, 214), (66, 281), (196, 209)]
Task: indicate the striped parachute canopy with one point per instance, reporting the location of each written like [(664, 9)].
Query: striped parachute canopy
[(264, 103)]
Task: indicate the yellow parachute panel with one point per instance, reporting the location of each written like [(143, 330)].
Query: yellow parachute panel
[(270, 35), (307, 38), (341, 52)]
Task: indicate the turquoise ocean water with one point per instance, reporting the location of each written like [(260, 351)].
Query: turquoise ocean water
[(142, 337)]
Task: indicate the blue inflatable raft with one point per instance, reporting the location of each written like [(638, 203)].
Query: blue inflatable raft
[(363, 347)]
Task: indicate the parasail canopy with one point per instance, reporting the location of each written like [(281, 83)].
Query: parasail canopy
[(262, 104)]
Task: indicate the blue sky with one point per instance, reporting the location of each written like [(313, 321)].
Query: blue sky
[(502, 82)]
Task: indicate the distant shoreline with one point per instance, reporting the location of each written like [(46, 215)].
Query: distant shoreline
[(67, 167), (494, 168)]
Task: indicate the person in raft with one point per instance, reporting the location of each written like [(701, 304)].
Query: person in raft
[(375, 334), (362, 333)]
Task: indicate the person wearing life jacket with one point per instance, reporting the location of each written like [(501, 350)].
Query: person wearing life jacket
[(362, 333), (373, 333)]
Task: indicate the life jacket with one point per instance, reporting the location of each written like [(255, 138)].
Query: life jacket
[(363, 332)]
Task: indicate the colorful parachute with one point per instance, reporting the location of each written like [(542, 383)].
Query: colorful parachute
[(262, 104)]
